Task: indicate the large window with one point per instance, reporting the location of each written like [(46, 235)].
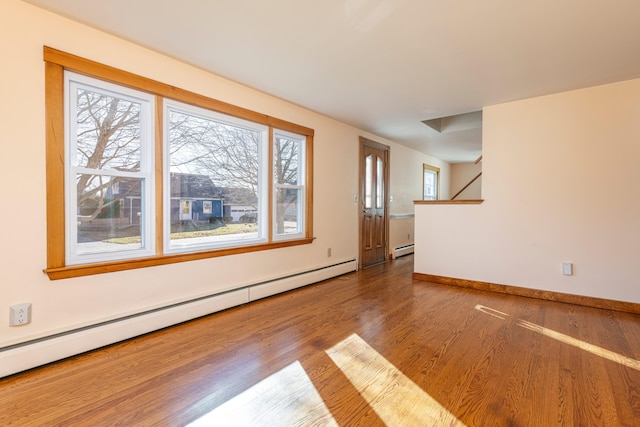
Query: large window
[(152, 174)]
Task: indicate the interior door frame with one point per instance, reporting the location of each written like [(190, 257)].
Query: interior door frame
[(361, 190)]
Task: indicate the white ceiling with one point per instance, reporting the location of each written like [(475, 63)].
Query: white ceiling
[(384, 66)]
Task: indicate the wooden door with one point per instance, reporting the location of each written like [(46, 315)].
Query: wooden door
[(374, 178)]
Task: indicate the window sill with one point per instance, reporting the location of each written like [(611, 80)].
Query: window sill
[(130, 264)]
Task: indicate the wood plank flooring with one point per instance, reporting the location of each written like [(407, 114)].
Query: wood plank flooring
[(370, 348)]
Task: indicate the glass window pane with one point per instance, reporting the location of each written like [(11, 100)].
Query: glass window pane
[(288, 184), (109, 214), (379, 185), (430, 184), (285, 158), (108, 131), (214, 180), (368, 181), (288, 210)]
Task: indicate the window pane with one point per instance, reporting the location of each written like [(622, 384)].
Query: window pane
[(379, 185), (286, 155), (108, 131), (430, 185), (288, 210), (109, 214), (214, 180), (288, 184), (368, 178)]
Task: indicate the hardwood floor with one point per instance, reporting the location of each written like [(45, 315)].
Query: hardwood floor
[(369, 348)]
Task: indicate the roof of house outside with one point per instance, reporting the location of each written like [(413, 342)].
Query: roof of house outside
[(202, 186)]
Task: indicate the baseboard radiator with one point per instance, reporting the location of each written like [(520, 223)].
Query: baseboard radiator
[(401, 251), (26, 355)]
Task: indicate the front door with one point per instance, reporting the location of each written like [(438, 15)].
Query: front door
[(374, 177)]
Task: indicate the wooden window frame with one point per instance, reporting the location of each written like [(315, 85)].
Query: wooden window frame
[(56, 62)]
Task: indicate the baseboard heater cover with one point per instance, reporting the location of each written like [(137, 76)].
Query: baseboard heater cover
[(295, 281), (402, 250), (20, 357)]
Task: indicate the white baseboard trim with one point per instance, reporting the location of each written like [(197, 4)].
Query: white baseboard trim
[(295, 281), (45, 350), (402, 250), (20, 357)]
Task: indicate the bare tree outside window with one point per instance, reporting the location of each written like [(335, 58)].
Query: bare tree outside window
[(213, 160), (108, 137), (224, 155), (106, 158), (228, 154)]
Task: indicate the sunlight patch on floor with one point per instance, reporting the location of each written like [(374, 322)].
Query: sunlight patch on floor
[(566, 339), (396, 399), (599, 351), (286, 398)]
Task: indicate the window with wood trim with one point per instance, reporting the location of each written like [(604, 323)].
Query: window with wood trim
[(150, 174)]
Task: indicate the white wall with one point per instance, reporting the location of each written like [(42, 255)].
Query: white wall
[(406, 178), (406, 186), (63, 305), (561, 176)]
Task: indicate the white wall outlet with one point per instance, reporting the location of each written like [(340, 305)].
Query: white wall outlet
[(329, 252), (20, 314), (355, 197), (567, 269)]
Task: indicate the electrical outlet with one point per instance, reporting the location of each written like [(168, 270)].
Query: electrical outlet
[(329, 252), (20, 314)]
